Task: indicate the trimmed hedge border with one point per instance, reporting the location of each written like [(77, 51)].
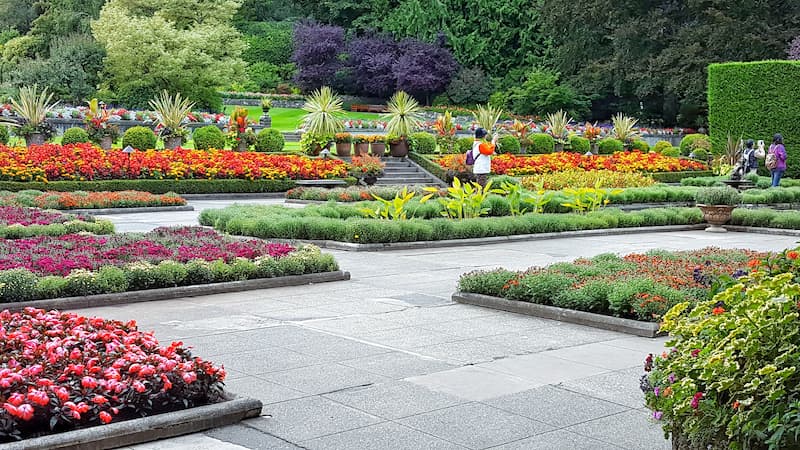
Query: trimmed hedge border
[(155, 186), (146, 429), (149, 295), (132, 210), (16, 231), (618, 324)]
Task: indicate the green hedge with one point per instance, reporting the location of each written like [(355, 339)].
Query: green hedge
[(676, 177), (766, 218), (428, 164), (755, 100), (21, 285), (344, 223), (155, 186)]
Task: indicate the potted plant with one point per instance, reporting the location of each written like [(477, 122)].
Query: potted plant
[(323, 118), (717, 204), (366, 168), (404, 118), (521, 131), (171, 113), (557, 123), (361, 142), (32, 107), (624, 130), (592, 133), (445, 132), (240, 134), (377, 143), (344, 143), (98, 127), (265, 120)]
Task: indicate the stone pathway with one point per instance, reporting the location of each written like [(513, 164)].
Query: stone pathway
[(387, 361)]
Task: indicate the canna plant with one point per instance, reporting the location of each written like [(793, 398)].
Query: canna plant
[(516, 196), (587, 199), (463, 200), (390, 209)]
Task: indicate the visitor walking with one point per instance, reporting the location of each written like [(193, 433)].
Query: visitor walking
[(482, 152), (776, 159), (749, 157)]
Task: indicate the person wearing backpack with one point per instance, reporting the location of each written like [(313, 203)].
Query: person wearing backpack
[(481, 156), (776, 159)]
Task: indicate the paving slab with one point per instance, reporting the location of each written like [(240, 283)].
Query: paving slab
[(621, 386), (260, 389), (600, 355), (632, 430), (310, 417), (394, 400), (381, 436), (558, 440), (473, 383), (475, 425), (323, 378), (398, 365), (543, 369), (249, 438)]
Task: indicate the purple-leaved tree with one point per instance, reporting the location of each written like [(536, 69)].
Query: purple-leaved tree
[(423, 69), (316, 54), (794, 49), (372, 60)]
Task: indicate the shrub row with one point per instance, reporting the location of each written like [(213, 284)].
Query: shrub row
[(344, 224), (760, 182), (22, 285), (17, 231), (155, 186)]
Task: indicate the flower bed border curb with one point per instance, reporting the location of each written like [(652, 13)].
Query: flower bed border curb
[(235, 196), (618, 324), (151, 428), (92, 301), (133, 210), (355, 247)]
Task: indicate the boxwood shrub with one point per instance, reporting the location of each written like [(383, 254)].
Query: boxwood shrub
[(140, 138), (208, 137), (580, 144), (424, 142), (609, 145), (541, 143), (74, 135), (269, 140), (508, 144)]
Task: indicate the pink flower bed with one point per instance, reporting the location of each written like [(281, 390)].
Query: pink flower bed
[(10, 215), (45, 255), (60, 371)]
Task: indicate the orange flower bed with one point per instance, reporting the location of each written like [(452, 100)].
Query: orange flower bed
[(515, 165), (94, 200), (52, 162)]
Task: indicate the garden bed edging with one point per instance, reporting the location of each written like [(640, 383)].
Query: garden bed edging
[(618, 324)]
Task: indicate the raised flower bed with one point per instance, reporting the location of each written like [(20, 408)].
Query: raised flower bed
[(507, 164), (89, 200), (86, 162), (17, 221), (76, 265), (60, 372)]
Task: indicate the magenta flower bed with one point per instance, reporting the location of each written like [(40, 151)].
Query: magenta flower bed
[(60, 371), (59, 255), (10, 215)]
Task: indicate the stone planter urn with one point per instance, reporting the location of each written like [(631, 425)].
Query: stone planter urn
[(559, 147), (378, 148), (106, 142), (369, 180), (399, 150), (34, 139), (344, 148), (716, 216), (242, 146), (362, 148), (173, 142), (265, 120)]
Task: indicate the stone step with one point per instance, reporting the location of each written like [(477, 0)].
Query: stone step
[(409, 180)]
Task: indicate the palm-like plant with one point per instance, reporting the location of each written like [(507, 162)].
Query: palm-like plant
[(324, 113), (32, 106), (171, 111), (404, 115), (624, 128), (487, 116), (557, 125)]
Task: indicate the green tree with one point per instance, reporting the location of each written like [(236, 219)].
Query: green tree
[(185, 46), (17, 15)]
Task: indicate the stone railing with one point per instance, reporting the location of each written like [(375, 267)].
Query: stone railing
[(62, 125)]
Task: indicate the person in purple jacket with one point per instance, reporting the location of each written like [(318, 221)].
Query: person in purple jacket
[(780, 154)]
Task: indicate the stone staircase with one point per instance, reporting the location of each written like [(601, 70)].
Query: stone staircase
[(403, 171)]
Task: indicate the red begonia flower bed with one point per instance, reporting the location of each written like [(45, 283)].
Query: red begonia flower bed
[(60, 371)]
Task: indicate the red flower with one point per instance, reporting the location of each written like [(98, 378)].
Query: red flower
[(99, 400), (25, 412), (695, 352), (791, 254), (718, 310), (16, 399), (89, 382), (105, 417)]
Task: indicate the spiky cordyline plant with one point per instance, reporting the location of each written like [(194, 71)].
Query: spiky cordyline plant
[(487, 116), (624, 127), (33, 105), (557, 124), (171, 110), (404, 114), (324, 112)]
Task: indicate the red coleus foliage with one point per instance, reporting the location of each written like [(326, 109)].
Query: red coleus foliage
[(11, 215), (60, 371)]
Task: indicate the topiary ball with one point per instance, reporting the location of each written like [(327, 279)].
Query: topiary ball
[(508, 144), (580, 144), (693, 141), (4, 135), (140, 138), (464, 144), (608, 146), (661, 146), (269, 140), (75, 135), (641, 146), (542, 143), (425, 142), (673, 152), (208, 137)]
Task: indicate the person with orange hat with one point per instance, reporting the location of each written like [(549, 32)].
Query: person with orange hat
[(482, 152)]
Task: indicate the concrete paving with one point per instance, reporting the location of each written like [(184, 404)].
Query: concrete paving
[(387, 361)]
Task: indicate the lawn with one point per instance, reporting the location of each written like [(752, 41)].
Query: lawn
[(289, 119)]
